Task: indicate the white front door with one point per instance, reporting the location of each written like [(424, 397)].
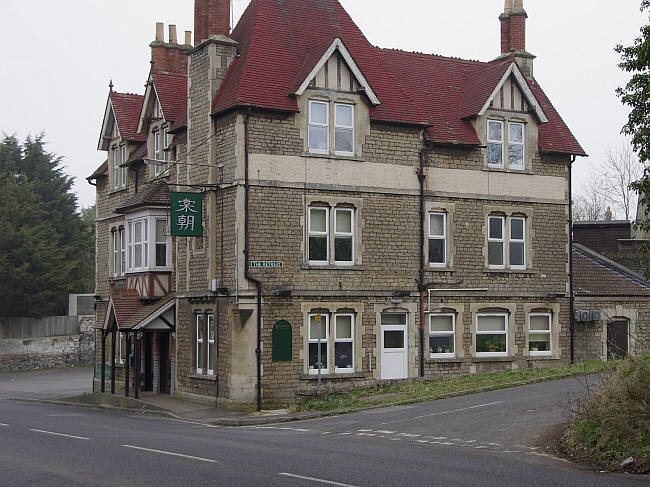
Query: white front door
[(394, 346)]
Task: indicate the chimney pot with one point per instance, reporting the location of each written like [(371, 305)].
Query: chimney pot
[(188, 37), (508, 7), (172, 34), (518, 4), (160, 31)]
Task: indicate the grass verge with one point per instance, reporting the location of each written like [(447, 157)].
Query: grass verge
[(428, 389), (613, 425)]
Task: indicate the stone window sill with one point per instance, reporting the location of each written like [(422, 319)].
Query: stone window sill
[(333, 156), (506, 169), (541, 357), (212, 378), (434, 360), (342, 376), (433, 268), (307, 267), (117, 190), (493, 359), (509, 271)]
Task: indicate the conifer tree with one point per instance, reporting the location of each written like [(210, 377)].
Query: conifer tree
[(44, 243)]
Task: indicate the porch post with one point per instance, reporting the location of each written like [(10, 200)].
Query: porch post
[(113, 337), (127, 365), (103, 362), (136, 378)]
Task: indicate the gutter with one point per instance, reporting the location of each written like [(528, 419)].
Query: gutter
[(421, 285), (571, 295), (258, 283)]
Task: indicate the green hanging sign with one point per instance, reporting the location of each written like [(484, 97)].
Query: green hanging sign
[(187, 215)]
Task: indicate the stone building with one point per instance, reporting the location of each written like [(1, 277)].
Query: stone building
[(367, 214)]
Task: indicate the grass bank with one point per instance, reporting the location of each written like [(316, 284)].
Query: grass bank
[(428, 389), (613, 425)]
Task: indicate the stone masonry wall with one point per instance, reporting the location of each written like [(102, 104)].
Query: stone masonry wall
[(48, 352)]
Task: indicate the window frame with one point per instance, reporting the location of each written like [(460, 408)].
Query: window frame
[(338, 127), (326, 234), (115, 254), (199, 357), (116, 167), (492, 332), (351, 340), (502, 142), (326, 125), (325, 341), (519, 241), (501, 240), (522, 144), (211, 349), (345, 235), (122, 239), (548, 332), (436, 333), (442, 237)]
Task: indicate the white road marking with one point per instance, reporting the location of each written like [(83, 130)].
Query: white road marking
[(209, 460), (344, 433), (313, 479), (3, 424), (59, 434), (302, 430), (364, 431), (409, 435), (385, 432), (444, 412)]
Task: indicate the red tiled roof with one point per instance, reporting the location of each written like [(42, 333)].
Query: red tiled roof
[(171, 89), (280, 41), (156, 194), (126, 107), (595, 275), (101, 171), (130, 310)]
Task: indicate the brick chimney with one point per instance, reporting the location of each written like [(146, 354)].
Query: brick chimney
[(513, 34), (513, 26), (211, 17), (169, 57)]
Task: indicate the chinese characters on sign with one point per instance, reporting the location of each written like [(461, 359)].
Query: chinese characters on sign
[(186, 215)]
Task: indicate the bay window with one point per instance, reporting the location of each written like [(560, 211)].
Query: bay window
[(148, 241)]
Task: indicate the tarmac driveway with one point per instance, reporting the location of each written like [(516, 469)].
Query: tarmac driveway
[(46, 383)]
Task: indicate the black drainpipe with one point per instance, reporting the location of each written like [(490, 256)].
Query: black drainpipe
[(258, 283), (571, 298), (421, 285)]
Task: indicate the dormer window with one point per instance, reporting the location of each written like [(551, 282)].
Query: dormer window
[(318, 127), (321, 137), (161, 150), (119, 172), (513, 139), (495, 143), (344, 129)]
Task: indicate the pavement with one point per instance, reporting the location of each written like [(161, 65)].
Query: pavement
[(46, 383), (484, 440)]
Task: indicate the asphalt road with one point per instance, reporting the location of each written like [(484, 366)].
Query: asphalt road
[(485, 439), (46, 383)]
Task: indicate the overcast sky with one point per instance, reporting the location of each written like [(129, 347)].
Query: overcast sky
[(60, 55)]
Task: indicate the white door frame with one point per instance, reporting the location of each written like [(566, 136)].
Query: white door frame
[(403, 351)]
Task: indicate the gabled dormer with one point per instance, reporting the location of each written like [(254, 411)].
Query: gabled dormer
[(118, 135), (334, 99)]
